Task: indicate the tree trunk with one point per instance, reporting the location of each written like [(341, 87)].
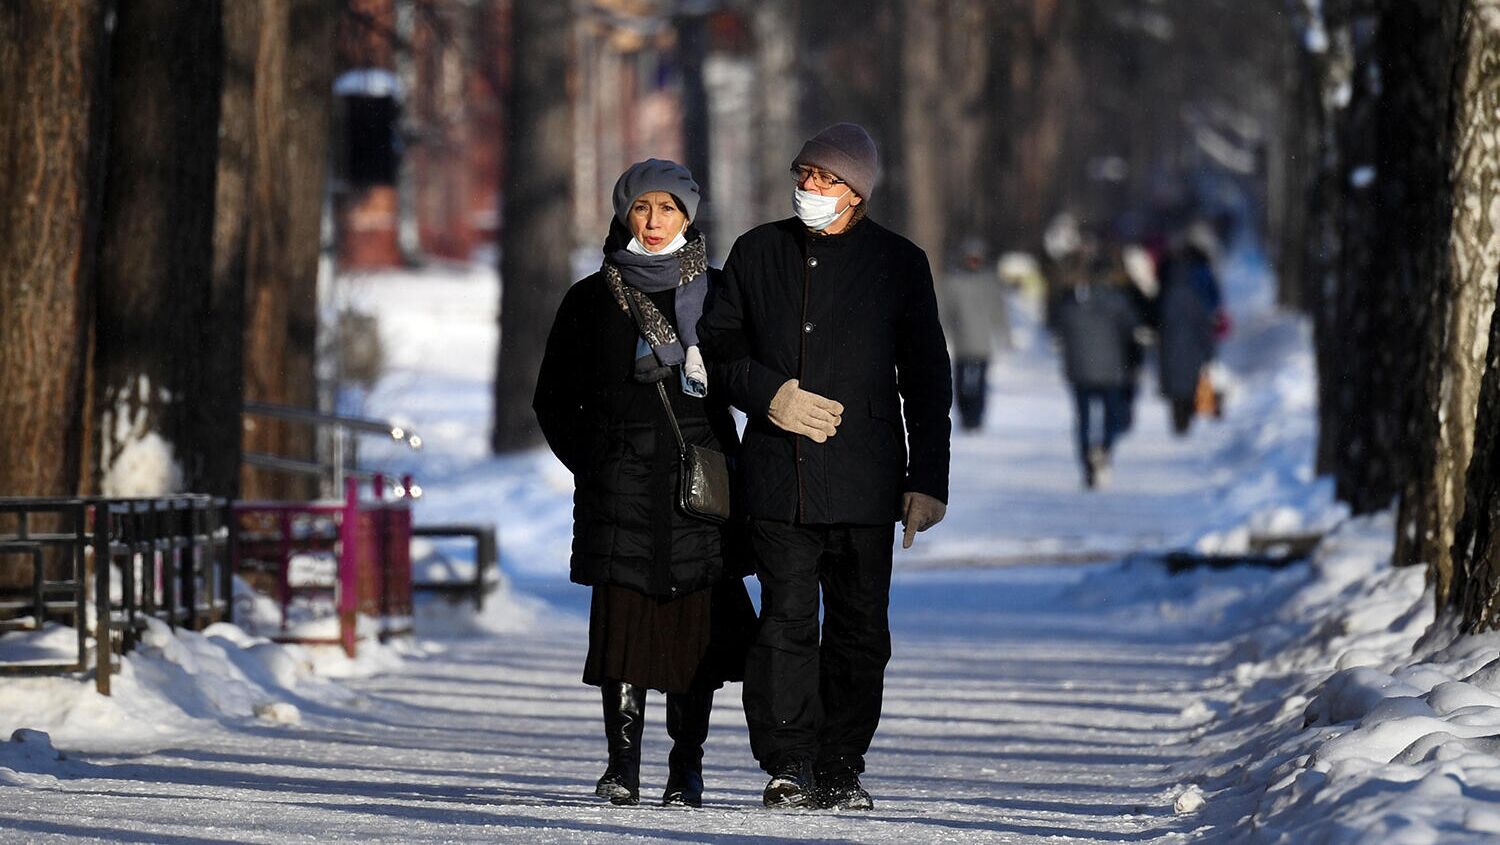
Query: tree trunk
[(1392, 285), (233, 197), (1476, 544), (1469, 276), (922, 90), (51, 67), (1040, 78), (157, 251), (537, 236), (309, 102), (778, 96), (291, 101)]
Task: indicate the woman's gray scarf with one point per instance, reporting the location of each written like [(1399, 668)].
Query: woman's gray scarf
[(630, 277)]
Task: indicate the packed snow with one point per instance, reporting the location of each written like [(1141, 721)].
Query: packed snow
[(1052, 680)]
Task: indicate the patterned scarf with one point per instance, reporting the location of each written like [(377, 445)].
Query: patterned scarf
[(630, 277)]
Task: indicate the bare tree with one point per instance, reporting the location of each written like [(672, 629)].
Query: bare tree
[(536, 236), (156, 252), (51, 65), (1473, 258)]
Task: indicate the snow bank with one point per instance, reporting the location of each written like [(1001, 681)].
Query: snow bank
[(174, 685), (1349, 717)]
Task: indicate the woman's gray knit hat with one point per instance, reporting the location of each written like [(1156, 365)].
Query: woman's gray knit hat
[(847, 151), (655, 174)]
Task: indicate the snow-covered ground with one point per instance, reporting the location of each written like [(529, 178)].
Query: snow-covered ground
[(1031, 698)]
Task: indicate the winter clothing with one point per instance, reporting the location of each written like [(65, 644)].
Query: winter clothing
[(655, 174), (847, 151), (666, 614), (975, 318), (687, 725), (692, 642), (1099, 431), (1185, 322), (807, 702), (612, 432), (853, 318), (841, 790), (631, 277), (791, 786), (971, 383), (624, 724), (1096, 324)]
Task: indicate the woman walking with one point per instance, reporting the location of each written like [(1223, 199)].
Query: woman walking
[(667, 614)]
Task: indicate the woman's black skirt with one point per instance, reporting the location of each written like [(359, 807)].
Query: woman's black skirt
[(688, 643)]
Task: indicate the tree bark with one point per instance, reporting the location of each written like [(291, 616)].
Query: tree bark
[(1473, 256), (155, 422), (537, 236), (291, 102), (1403, 226), (779, 103), (51, 66), (921, 90), (233, 196)]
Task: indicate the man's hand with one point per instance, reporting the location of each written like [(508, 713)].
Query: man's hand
[(919, 512), (800, 412)]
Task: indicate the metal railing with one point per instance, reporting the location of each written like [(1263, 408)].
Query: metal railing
[(169, 556), (486, 562), (339, 465)]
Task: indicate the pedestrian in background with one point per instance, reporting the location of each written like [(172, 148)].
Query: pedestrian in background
[(667, 612), (827, 325), (976, 319), (1095, 314), (1190, 322)]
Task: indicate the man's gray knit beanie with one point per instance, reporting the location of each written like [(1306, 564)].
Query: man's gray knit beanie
[(847, 151), (655, 174)]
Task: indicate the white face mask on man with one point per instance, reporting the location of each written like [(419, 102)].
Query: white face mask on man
[(816, 211)]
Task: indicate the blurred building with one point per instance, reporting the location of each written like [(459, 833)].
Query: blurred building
[(417, 149)]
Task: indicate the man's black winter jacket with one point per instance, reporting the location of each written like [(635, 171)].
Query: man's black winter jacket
[(853, 316)]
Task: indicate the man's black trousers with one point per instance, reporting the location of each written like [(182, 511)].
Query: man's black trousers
[(807, 702)]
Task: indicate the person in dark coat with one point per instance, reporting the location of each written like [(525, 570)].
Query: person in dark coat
[(827, 328), (666, 612), (1095, 316), (1188, 315)]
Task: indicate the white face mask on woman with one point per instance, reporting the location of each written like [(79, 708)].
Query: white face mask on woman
[(672, 246), (816, 211)]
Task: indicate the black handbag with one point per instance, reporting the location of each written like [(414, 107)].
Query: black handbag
[(702, 474)]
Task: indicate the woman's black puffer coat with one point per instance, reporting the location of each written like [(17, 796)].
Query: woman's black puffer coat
[(613, 433)]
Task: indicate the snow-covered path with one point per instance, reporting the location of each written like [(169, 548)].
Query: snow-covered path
[(1016, 711), (1025, 702)]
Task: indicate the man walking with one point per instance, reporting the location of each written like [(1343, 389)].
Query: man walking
[(826, 330)]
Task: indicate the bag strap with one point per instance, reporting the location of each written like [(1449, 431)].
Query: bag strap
[(661, 390)]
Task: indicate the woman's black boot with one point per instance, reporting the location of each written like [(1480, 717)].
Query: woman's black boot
[(624, 721), (687, 725)]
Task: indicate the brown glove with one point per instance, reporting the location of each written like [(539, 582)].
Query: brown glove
[(919, 512), (801, 412)]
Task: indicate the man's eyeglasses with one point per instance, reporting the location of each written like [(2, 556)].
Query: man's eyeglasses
[(821, 179)]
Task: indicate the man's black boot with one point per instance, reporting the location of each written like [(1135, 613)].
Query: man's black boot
[(791, 786), (840, 789), (624, 722), (687, 725)]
